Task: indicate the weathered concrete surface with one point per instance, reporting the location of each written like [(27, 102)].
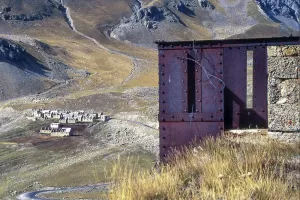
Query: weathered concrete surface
[(284, 117), (289, 137), (288, 51), (284, 91), (283, 67)]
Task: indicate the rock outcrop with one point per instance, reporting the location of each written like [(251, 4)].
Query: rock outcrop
[(285, 11), (23, 74), (41, 10)]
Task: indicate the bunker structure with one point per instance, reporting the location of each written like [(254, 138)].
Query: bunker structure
[(206, 87)]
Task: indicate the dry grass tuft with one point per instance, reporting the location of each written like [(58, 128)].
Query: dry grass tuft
[(217, 169)]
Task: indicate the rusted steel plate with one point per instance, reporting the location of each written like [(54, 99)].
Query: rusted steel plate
[(229, 43), (192, 117), (235, 76), (260, 85), (174, 135), (172, 98), (210, 96)]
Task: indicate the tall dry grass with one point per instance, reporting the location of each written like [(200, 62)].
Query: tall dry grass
[(216, 169)]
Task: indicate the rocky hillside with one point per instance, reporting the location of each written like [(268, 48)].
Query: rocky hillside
[(284, 11), (113, 40), (24, 72)]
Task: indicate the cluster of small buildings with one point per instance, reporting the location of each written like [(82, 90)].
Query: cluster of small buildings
[(69, 117), (64, 117), (56, 130)]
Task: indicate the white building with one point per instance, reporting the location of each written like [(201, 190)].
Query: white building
[(55, 125)]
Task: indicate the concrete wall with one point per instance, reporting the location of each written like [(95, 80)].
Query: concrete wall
[(284, 90), (59, 134)]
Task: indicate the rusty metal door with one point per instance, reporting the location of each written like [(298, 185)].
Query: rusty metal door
[(237, 114), (191, 96)]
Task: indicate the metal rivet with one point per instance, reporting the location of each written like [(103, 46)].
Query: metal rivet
[(163, 101), (182, 119), (199, 100), (211, 116), (185, 110), (163, 128), (182, 100), (162, 73), (238, 113), (196, 90), (163, 111), (220, 53), (221, 91), (182, 81), (221, 72), (221, 109), (163, 92), (164, 137), (196, 110), (185, 71), (163, 119), (197, 70), (221, 119), (163, 83), (173, 116), (221, 100), (220, 63), (221, 128), (164, 147)]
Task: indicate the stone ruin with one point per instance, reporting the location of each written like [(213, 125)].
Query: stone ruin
[(56, 130), (69, 117), (284, 92)]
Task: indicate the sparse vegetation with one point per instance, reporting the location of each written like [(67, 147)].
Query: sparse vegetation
[(217, 169)]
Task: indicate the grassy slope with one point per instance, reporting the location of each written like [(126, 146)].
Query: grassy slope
[(217, 169)]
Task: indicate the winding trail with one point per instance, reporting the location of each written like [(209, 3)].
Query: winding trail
[(104, 187), (70, 21)]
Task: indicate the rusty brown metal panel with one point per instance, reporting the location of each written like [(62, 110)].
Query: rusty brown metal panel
[(258, 42), (235, 76), (260, 85), (211, 94), (178, 134), (193, 117), (172, 78)]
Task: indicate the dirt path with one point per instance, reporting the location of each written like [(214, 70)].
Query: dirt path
[(70, 21), (34, 194)]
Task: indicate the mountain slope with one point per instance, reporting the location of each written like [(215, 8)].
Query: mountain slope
[(113, 40)]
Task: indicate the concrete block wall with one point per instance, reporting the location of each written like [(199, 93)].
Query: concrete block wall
[(284, 90)]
